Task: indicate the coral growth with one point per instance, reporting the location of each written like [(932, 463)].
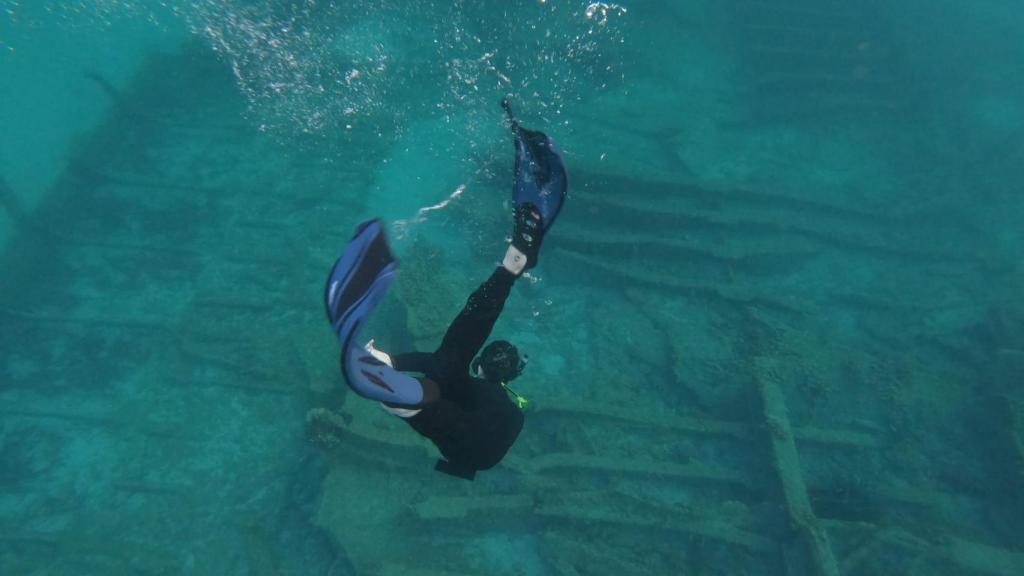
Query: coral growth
[(325, 428)]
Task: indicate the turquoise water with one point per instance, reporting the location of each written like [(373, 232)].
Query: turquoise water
[(778, 328)]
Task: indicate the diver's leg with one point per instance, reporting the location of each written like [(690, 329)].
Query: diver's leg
[(357, 282), (471, 328)]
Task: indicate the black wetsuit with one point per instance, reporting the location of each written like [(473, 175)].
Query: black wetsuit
[(475, 422)]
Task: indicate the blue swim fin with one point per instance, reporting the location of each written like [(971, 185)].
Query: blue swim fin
[(358, 281), (540, 176)]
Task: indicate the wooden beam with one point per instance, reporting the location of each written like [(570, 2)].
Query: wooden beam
[(787, 466)]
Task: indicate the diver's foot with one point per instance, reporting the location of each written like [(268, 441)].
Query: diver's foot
[(526, 238), (515, 261)]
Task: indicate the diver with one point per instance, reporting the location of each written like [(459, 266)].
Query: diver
[(461, 402)]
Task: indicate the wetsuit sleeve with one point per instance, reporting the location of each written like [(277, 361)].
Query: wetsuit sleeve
[(471, 328), (412, 362)]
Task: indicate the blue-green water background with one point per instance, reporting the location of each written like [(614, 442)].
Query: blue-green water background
[(818, 198)]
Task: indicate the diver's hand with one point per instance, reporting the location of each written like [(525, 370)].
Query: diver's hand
[(379, 355)]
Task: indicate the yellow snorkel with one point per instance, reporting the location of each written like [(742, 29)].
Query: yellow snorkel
[(519, 400)]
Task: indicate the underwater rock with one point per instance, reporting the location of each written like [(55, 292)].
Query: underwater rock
[(998, 419), (430, 292), (630, 355), (998, 117), (1008, 369), (325, 428), (701, 355), (11, 204)]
